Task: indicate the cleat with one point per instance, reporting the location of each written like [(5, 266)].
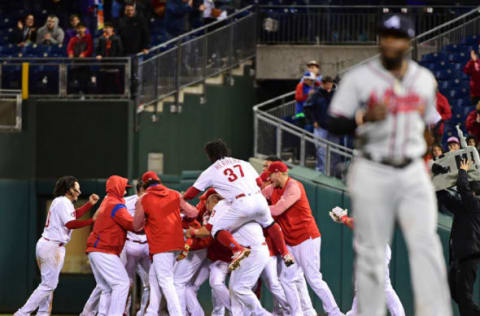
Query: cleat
[(288, 259), (237, 257)]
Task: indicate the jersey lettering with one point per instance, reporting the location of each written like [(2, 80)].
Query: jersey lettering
[(232, 176)]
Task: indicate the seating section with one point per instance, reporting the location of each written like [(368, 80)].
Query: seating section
[(447, 66)]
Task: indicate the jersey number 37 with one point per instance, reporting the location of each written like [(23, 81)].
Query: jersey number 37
[(232, 175)]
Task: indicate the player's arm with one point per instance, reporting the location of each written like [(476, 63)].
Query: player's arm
[(339, 215), (201, 232), (139, 216), (187, 209), (77, 223), (92, 200), (121, 216), (267, 191), (291, 195), (202, 183), (463, 186)]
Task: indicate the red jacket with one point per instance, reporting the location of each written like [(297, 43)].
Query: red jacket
[(80, 47), (297, 222), (472, 68), (443, 108), (163, 225), (113, 220), (473, 128)]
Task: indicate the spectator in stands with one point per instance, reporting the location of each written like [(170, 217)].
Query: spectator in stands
[(143, 8), (50, 33), (304, 90), (176, 15), (25, 32), (453, 144), (464, 256), (314, 67), (109, 45), (196, 16), (72, 31), (159, 7), (443, 108), (212, 14), (81, 45), (472, 123), (437, 151), (472, 68), (133, 29), (316, 110)]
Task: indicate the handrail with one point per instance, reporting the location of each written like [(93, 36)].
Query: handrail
[(396, 6), (185, 35)]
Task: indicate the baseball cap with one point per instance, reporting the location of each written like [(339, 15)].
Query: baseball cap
[(453, 139), (265, 176), (277, 166), (313, 63), (150, 175), (398, 25), (309, 76)]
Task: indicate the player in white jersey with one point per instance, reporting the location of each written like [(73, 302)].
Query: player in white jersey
[(236, 181), (50, 251), (387, 103)]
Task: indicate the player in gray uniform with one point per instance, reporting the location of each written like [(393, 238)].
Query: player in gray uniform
[(388, 103)]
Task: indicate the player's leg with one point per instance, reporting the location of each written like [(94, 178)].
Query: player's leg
[(91, 306), (220, 293), (417, 215), (45, 307), (164, 263), (50, 259), (193, 305), (305, 300), (394, 305), (155, 294), (287, 277), (270, 277), (307, 255), (103, 288), (113, 273), (143, 269), (184, 272), (373, 189), (244, 279)]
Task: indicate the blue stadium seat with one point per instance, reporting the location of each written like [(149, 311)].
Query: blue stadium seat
[(454, 48), (471, 40)]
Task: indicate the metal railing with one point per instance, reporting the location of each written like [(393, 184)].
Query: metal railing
[(10, 110), (195, 56), (327, 24), (273, 135), (69, 78)]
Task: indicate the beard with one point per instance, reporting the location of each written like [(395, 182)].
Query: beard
[(392, 63)]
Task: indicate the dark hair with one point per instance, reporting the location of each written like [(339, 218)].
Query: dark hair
[(139, 184), (273, 158), (64, 184), (80, 25), (216, 150), (437, 145), (475, 186), (51, 16), (471, 137), (108, 24), (149, 183), (72, 16), (129, 4), (327, 79)]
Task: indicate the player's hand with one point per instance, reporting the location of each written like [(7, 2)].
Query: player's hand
[(93, 199), (465, 164), (337, 213), (473, 55), (334, 217), (189, 232), (376, 112)]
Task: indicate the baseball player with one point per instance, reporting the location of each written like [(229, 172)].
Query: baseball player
[(394, 305), (158, 210), (236, 181), (291, 210), (105, 244), (50, 251), (387, 103)]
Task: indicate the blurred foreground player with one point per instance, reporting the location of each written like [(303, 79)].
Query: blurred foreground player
[(61, 219), (394, 305), (237, 182), (387, 102)]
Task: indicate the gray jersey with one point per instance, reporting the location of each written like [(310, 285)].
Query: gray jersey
[(411, 102)]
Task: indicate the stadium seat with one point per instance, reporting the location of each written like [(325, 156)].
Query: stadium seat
[(471, 40)]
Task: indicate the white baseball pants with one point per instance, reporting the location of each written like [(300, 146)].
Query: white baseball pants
[(50, 258), (244, 278), (164, 264), (193, 305), (112, 279), (220, 293), (381, 195), (270, 277), (184, 273)]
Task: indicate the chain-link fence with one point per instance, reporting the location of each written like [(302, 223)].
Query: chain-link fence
[(10, 110), (197, 55)]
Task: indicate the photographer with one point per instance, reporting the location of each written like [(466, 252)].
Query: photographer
[(464, 240)]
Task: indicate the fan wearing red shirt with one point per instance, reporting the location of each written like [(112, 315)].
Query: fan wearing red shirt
[(158, 211), (291, 210), (106, 242)]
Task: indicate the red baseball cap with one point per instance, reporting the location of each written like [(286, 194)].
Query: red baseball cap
[(150, 175), (265, 176), (277, 166)]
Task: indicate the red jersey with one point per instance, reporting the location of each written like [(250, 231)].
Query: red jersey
[(163, 225), (296, 221), (113, 220)]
